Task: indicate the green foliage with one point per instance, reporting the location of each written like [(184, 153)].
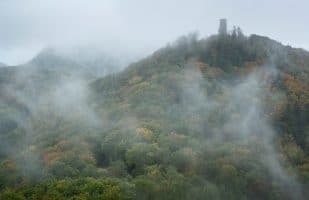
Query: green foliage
[(152, 140), (87, 188)]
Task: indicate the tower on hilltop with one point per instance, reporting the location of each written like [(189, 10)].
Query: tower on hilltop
[(223, 27)]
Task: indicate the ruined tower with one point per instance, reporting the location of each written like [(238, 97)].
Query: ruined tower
[(223, 27)]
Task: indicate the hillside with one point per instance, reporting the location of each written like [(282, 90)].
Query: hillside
[(223, 117)]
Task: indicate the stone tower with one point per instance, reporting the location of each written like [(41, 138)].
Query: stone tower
[(223, 27)]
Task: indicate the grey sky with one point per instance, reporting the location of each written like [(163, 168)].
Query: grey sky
[(140, 26)]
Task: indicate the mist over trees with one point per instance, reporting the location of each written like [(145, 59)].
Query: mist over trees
[(222, 117)]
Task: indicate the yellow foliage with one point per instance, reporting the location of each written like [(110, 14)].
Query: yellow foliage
[(135, 79), (304, 170), (145, 133)]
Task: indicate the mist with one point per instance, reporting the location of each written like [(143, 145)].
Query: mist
[(95, 96), (63, 108), (137, 28), (243, 115)]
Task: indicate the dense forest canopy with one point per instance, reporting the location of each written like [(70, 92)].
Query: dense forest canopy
[(222, 117)]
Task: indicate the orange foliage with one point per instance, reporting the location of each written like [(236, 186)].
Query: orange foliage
[(49, 157), (297, 89), (247, 68), (87, 157), (200, 65), (9, 164), (293, 85)]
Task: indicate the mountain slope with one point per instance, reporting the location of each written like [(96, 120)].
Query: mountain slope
[(223, 117), (197, 91), (165, 66)]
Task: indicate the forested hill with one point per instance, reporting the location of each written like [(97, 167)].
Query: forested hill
[(223, 117), (219, 58), (233, 53)]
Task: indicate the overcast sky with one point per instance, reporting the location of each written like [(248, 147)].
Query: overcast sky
[(140, 26)]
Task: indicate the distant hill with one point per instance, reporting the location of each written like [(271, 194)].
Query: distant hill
[(79, 62), (43, 74), (51, 67)]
